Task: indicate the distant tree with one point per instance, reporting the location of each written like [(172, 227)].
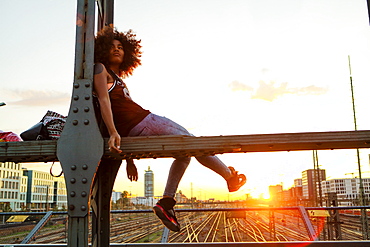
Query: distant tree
[(7, 208), (122, 202), (125, 199)]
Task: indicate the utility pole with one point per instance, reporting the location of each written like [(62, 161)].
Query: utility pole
[(317, 176), (364, 220), (47, 198), (191, 195)]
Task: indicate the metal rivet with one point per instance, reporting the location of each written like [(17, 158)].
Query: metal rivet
[(87, 97), (84, 167), (74, 122), (87, 109), (75, 109), (71, 207), (76, 97), (76, 85), (83, 208), (73, 167), (83, 194), (87, 84), (86, 121), (73, 194), (73, 180), (84, 180)]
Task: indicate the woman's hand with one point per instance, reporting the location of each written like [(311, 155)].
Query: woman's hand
[(131, 170), (114, 143)]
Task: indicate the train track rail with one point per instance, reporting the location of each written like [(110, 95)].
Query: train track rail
[(201, 226)]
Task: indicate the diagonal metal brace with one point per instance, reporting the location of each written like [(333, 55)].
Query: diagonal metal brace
[(37, 228), (311, 231)]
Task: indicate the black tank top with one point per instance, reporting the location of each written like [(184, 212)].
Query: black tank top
[(126, 113)]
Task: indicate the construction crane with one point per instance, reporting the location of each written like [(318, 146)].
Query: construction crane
[(353, 173)]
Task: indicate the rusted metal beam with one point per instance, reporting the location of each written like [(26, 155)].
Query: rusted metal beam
[(28, 151), (170, 146)]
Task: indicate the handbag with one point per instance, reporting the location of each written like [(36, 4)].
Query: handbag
[(49, 128), (36, 132)]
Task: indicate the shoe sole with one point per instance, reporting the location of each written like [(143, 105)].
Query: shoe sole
[(242, 176), (168, 221), (244, 180)]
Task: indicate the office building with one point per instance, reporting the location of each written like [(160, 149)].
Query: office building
[(311, 185), (149, 183), (347, 190), (11, 186)]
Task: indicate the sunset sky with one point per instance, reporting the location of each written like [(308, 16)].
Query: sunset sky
[(217, 67)]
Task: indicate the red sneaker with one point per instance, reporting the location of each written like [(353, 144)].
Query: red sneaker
[(165, 212), (236, 181)]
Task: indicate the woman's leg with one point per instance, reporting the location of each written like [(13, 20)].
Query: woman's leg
[(216, 165), (154, 125)]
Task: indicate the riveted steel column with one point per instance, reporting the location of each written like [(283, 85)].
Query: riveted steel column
[(80, 146), (101, 199)]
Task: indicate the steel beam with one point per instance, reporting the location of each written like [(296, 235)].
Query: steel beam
[(105, 13), (165, 234), (37, 228), (310, 229), (101, 199), (170, 146)]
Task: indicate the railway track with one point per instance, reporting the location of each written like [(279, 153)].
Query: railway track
[(200, 227)]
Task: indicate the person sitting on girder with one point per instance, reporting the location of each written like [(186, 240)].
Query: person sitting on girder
[(117, 54)]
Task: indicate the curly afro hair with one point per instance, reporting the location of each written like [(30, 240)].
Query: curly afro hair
[(131, 48)]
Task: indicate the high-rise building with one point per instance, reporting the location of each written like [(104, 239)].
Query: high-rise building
[(11, 186), (45, 192), (275, 192), (311, 185), (21, 188), (40, 190), (298, 182), (60, 193), (149, 183), (347, 190)]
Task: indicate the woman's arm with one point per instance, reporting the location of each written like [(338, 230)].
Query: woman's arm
[(101, 90)]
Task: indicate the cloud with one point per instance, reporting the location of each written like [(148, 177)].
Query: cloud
[(37, 97), (268, 91), (238, 86), (310, 90), (271, 90)]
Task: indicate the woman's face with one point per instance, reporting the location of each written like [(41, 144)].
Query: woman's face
[(116, 52)]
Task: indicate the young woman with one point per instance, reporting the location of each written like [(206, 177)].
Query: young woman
[(117, 54)]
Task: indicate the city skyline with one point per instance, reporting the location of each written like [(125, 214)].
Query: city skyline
[(199, 193)]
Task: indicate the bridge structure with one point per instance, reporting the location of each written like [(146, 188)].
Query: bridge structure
[(90, 168)]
